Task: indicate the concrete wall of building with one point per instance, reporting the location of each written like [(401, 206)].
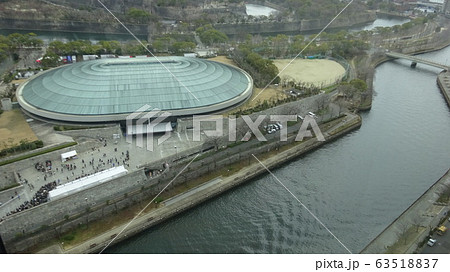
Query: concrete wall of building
[(94, 133), (6, 104)]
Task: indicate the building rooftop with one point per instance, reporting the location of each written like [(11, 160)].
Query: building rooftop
[(110, 89)]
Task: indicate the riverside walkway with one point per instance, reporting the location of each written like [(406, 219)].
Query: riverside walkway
[(416, 60)]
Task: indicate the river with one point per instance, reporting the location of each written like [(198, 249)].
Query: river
[(258, 10), (381, 21), (356, 185)]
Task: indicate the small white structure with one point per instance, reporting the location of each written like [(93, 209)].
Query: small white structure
[(107, 56), (90, 57), (68, 156), (190, 55), (6, 104), (86, 182)]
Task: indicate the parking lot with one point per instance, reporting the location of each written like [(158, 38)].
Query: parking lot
[(442, 245)]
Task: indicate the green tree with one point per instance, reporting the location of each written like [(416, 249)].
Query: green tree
[(182, 47), (58, 48), (140, 16), (50, 60), (359, 84), (210, 36)]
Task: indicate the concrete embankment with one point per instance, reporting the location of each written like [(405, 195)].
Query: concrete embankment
[(209, 190), (443, 82), (406, 233)]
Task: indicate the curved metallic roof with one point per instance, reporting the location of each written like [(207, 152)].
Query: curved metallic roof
[(112, 87)]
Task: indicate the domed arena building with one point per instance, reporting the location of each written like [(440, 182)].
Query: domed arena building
[(108, 90)]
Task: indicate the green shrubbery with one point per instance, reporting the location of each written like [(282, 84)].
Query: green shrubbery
[(23, 146), (68, 237), (26, 156)]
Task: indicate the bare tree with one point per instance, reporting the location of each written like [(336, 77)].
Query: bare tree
[(214, 141), (417, 222), (241, 130), (403, 231), (291, 109), (445, 192), (321, 102)]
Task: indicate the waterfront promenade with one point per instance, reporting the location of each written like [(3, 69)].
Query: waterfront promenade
[(443, 81), (406, 234)]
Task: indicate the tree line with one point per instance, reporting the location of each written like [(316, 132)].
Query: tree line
[(15, 41), (342, 44), (262, 70)]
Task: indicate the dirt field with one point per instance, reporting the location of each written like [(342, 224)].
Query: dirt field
[(316, 72), (14, 128), (223, 59), (267, 94)]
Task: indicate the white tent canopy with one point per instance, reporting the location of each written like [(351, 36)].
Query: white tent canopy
[(68, 155), (87, 182)]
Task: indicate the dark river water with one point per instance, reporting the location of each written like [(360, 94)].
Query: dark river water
[(356, 185)]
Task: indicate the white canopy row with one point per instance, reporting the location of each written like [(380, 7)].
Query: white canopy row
[(87, 182)]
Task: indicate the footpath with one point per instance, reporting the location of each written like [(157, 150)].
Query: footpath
[(211, 189), (443, 81), (408, 232)]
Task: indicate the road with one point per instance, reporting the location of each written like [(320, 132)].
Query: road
[(442, 245)]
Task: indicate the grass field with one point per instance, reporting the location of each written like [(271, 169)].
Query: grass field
[(14, 128)]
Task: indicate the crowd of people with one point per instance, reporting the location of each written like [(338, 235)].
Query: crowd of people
[(88, 166), (43, 167), (40, 197)]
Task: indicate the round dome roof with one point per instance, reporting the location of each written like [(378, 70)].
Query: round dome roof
[(110, 89)]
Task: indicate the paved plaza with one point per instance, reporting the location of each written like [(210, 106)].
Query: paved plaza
[(105, 153)]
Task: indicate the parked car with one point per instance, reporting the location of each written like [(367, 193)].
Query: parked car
[(431, 242), (441, 230), (272, 128), (312, 114)]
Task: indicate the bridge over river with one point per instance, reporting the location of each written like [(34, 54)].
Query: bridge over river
[(416, 60)]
